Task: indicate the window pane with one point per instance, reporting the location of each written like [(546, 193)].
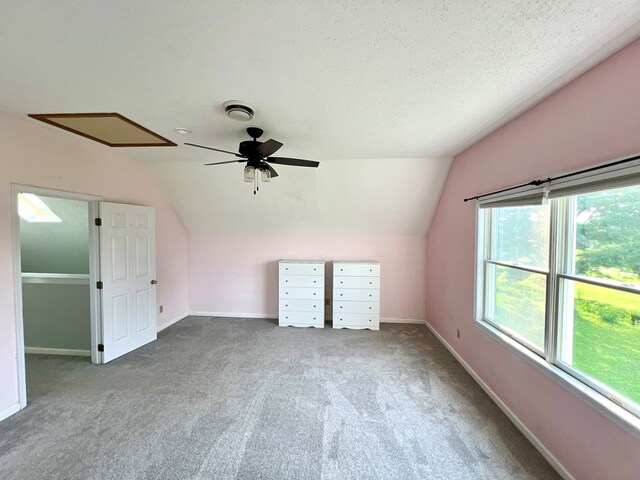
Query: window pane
[(521, 235), (608, 234), (517, 302), (600, 335)]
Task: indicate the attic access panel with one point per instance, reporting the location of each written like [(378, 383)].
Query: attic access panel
[(110, 129)]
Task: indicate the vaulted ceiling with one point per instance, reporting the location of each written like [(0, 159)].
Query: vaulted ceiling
[(336, 81)]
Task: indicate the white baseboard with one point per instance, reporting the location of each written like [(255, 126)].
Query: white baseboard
[(234, 315), (555, 463), (7, 412), (275, 315), (415, 321), (171, 322), (57, 351)]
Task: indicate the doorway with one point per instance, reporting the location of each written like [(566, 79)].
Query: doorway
[(56, 262), (105, 250)]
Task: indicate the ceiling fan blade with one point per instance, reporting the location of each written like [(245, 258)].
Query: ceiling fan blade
[(265, 166), (228, 161), (274, 174), (298, 162), (268, 148), (215, 149)]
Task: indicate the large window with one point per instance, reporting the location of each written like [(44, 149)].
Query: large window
[(562, 278), (516, 271)]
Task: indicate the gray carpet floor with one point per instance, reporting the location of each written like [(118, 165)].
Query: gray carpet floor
[(217, 398)]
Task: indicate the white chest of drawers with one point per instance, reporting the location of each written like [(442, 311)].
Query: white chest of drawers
[(356, 295), (301, 293)]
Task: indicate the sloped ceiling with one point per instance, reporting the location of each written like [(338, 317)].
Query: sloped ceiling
[(379, 196), (334, 80)]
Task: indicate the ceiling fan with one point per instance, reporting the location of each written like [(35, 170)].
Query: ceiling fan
[(257, 156)]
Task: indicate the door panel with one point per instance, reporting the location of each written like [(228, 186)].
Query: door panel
[(127, 244), (119, 258), (142, 256)]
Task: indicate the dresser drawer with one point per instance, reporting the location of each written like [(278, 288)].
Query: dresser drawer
[(367, 308), (293, 305), (302, 293), (301, 281), (356, 282), (356, 294), (356, 320), (356, 269), (301, 319), (301, 268)]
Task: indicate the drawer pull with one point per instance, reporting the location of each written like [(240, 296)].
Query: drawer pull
[(341, 270), (340, 306), (370, 283), (341, 281), (286, 281), (287, 305), (286, 268), (314, 269), (315, 306), (369, 319), (314, 318), (314, 293), (369, 308), (286, 293), (314, 281), (340, 294), (370, 295)]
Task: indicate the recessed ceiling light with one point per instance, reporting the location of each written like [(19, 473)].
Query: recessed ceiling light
[(238, 110), (183, 131)]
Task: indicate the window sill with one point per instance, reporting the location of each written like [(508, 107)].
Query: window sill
[(599, 402)]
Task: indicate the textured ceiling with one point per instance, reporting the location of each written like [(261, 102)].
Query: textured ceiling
[(331, 79), (335, 79)]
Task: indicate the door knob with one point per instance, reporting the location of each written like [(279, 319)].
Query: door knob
[(154, 282)]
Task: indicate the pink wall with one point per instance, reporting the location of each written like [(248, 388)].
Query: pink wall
[(239, 273), (34, 155), (593, 119)]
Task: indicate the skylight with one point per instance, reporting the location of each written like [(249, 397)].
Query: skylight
[(34, 210)]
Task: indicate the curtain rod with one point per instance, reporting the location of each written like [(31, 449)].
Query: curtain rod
[(537, 183)]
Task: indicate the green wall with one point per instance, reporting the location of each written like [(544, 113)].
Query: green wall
[(57, 247), (57, 315)]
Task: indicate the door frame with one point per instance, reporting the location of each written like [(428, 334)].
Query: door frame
[(93, 202)]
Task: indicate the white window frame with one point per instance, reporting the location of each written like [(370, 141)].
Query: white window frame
[(487, 305), (603, 398)]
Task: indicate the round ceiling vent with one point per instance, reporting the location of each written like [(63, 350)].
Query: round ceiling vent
[(238, 110)]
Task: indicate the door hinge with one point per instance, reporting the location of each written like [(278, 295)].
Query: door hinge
[(99, 285), (100, 347), (98, 222)]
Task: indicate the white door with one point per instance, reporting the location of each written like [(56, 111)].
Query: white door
[(127, 269)]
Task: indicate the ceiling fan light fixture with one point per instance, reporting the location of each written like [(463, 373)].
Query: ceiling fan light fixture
[(238, 110), (249, 174), (265, 175)]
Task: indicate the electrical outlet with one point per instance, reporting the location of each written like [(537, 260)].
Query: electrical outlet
[(458, 332), (161, 308), (327, 302)]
